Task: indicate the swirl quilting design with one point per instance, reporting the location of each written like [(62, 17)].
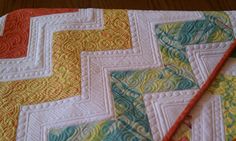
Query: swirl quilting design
[(174, 37), (225, 86), (65, 81), (117, 75), (15, 37), (131, 122), (128, 87)]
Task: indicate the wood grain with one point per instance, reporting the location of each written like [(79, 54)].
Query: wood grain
[(10, 5)]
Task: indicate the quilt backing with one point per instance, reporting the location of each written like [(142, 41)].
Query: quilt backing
[(122, 75)]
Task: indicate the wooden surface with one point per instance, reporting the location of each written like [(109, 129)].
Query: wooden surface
[(10, 5)]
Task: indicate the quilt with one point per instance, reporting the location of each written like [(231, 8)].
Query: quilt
[(115, 75)]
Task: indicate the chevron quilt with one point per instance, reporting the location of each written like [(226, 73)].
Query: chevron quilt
[(115, 75)]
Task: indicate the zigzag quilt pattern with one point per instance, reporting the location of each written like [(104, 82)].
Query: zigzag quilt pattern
[(115, 75)]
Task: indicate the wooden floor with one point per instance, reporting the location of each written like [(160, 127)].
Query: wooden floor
[(10, 5)]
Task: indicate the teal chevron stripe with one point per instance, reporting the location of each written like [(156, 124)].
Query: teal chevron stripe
[(131, 120), (173, 38), (128, 87), (62, 134)]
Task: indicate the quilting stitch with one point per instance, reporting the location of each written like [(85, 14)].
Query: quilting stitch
[(131, 122), (37, 63), (16, 31), (225, 87), (206, 118), (65, 70), (185, 53), (88, 57), (174, 37), (203, 59), (99, 109)]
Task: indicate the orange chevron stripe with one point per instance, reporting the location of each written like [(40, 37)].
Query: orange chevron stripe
[(16, 31)]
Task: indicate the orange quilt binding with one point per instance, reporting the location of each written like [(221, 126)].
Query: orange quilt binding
[(200, 93)]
